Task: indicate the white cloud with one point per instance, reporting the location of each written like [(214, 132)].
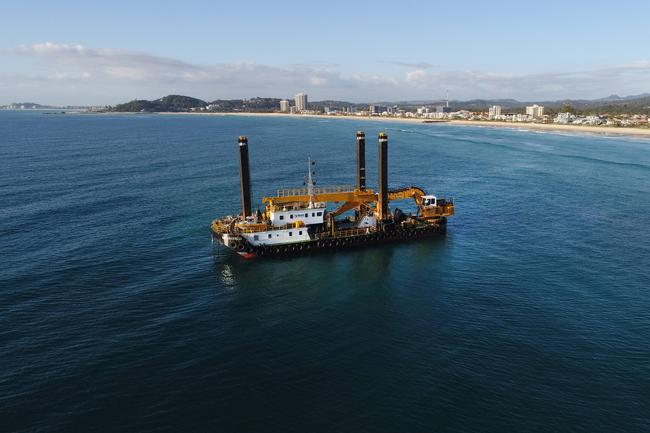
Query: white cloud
[(77, 74), (418, 77), (47, 48), (416, 65), (639, 64)]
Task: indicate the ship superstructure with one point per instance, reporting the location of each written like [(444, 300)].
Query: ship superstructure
[(311, 218)]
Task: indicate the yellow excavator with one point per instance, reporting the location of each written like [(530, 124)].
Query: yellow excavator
[(429, 206)]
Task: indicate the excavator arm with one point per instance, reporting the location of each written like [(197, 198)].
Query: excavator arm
[(413, 192)]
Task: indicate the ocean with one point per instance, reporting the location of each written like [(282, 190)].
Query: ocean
[(118, 315)]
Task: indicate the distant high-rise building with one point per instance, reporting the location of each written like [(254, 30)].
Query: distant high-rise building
[(443, 108), (377, 109), (535, 110), (284, 106), (494, 111), (301, 102)]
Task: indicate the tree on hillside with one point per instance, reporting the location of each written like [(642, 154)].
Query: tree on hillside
[(566, 108)]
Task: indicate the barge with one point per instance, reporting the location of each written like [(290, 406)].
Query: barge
[(302, 220)]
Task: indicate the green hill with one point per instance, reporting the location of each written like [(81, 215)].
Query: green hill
[(252, 105), (169, 103)]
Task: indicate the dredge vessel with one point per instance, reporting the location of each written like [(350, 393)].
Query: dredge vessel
[(296, 221)]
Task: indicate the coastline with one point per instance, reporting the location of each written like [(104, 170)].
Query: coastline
[(551, 127), (600, 130)]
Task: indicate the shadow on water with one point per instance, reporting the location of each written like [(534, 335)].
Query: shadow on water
[(376, 266)]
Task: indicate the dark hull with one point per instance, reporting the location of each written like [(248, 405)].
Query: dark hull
[(343, 243)]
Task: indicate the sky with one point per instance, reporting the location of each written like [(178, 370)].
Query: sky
[(97, 53)]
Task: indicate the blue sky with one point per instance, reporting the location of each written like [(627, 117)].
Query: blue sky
[(106, 52)]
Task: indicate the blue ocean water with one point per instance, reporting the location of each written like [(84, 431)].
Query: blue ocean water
[(532, 314)]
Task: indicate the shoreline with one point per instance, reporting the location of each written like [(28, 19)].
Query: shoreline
[(580, 129), (550, 127)]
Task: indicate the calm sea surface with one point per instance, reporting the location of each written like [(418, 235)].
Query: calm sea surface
[(531, 315)]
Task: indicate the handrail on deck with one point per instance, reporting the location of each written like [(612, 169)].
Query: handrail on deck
[(320, 190), (342, 233)]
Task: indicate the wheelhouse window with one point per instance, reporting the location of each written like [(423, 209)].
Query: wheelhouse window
[(319, 213), (300, 232), (270, 235), (281, 217), (290, 233), (256, 237)]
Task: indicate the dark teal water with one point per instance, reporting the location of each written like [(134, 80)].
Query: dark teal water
[(532, 315)]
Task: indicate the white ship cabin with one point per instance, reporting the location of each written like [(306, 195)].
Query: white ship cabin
[(278, 237), (291, 214)]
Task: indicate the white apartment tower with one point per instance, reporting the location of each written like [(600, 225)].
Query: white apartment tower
[(301, 102), (284, 106), (535, 110), (494, 111)]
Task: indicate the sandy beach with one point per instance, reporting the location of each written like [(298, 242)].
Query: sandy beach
[(602, 130)]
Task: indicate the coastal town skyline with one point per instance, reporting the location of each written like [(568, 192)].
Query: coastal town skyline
[(80, 54), (290, 101), (632, 113)]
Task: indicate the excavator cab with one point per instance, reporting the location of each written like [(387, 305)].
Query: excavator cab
[(429, 201), (434, 208)]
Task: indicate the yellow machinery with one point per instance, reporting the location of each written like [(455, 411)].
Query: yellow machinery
[(354, 198), (429, 207)]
